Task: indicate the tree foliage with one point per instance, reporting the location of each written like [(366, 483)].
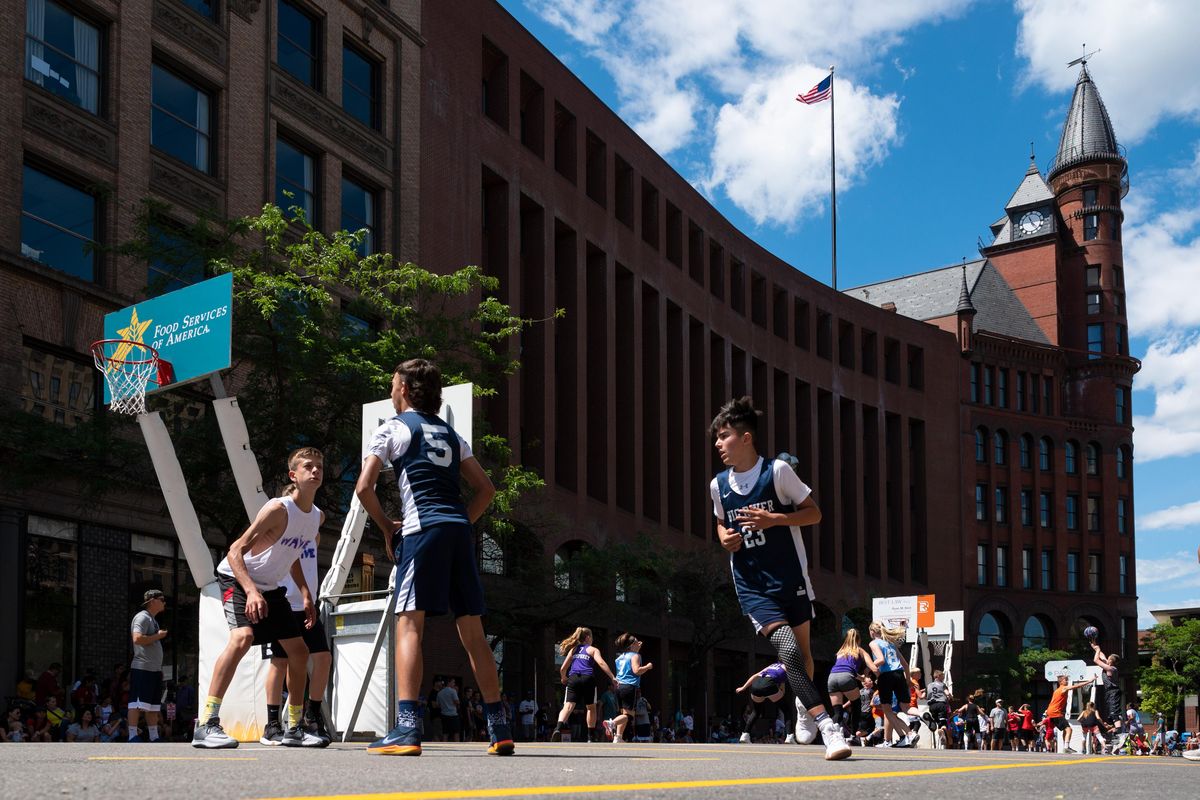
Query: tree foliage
[(1174, 669)]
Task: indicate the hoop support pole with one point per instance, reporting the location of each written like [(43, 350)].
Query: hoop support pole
[(241, 458)]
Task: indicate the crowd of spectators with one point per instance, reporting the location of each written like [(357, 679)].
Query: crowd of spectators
[(44, 709)]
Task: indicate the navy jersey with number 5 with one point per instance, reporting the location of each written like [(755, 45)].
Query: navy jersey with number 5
[(771, 561), (426, 454)]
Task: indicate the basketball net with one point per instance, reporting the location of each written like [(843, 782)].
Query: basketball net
[(126, 366)]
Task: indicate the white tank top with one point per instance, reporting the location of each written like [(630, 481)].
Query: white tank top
[(308, 563), (268, 568)]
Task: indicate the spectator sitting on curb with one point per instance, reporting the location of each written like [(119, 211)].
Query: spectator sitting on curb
[(85, 729)]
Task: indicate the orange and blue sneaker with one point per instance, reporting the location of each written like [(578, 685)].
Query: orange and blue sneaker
[(402, 740), (502, 741)]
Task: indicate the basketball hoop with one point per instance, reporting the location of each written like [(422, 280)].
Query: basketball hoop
[(127, 367), (938, 646)]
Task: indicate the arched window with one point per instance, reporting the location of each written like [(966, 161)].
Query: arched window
[(991, 633), (1093, 458), (1123, 459), (1045, 450), (981, 445), (1036, 635), (491, 556), (1026, 451), (570, 565), (1070, 457), (999, 446)]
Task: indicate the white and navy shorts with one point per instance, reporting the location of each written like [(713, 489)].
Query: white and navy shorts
[(145, 689), (436, 572), (764, 609)]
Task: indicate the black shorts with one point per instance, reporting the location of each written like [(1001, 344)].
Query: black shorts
[(581, 689), (451, 724), (314, 639), (1059, 722), (626, 696), (1110, 709), (279, 623), (893, 684), (764, 687), (1028, 734), (999, 736), (971, 726), (937, 710), (436, 571), (145, 689)]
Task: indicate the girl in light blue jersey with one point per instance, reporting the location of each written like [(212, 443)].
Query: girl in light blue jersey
[(630, 670)]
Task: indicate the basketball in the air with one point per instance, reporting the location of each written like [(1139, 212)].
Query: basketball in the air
[(1090, 633)]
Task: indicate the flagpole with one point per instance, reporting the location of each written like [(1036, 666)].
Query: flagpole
[(832, 181)]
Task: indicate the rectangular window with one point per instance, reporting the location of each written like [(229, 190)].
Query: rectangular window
[(1047, 570), (1001, 504), (1122, 405), (623, 180), (295, 173), (298, 44), (1027, 568), (1002, 565), (495, 84), (974, 383), (916, 367), (1048, 397), (180, 119), (565, 147), (1093, 514), (360, 86), (204, 8), (51, 591), (595, 176), (1093, 302), (981, 557), (1027, 507), (1072, 572), (1091, 226), (1123, 563), (981, 502), (1035, 384), (359, 213), (1020, 391), (1002, 388), (1045, 510), (1072, 512), (533, 115), (1095, 340), (1122, 516), (1122, 341), (58, 224), (175, 262), (62, 53), (1089, 197), (1093, 572), (988, 394), (1092, 277)]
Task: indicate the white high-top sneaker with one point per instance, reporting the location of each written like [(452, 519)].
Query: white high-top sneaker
[(806, 728), (745, 738), (835, 744)]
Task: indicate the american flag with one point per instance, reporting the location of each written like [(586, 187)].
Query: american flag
[(818, 93)]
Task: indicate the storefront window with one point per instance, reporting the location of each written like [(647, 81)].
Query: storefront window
[(51, 567)]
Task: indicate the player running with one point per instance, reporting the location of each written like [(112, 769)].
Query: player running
[(578, 674), (435, 551), (630, 670)]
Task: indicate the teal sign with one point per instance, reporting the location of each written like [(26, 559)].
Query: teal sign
[(191, 328)]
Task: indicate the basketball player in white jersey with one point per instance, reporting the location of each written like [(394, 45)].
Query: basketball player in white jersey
[(319, 655), (256, 606)]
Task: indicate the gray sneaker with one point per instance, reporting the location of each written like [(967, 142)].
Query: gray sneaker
[(272, 734), (212, 736), (298, 737)]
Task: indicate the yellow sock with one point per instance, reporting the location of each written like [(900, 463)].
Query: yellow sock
[(212, 708), (295, 714)]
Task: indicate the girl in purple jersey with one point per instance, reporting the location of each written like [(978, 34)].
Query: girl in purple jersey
[(852, 660), (768, 685), (580, 663)]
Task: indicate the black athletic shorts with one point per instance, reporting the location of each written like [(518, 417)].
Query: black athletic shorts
[(145, 689), (279, 623), (626, 696), (451, 724), (937, 710), (999, 736), (764, 687), (314, 638), (581, 689), (1059, 722), (893, 684), (1110, 709)]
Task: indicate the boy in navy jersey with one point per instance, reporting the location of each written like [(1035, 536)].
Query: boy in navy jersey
[(433, 545), (760, 506)]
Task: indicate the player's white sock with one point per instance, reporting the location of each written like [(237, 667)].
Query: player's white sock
[(153, 730)]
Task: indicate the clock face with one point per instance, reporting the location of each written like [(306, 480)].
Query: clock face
[(1032, 221)]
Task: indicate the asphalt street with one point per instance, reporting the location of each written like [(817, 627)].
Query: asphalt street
[(631, 771)]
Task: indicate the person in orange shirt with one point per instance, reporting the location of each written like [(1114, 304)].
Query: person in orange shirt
[(1056, 711)]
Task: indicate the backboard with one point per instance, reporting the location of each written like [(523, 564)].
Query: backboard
[(457, 404), (192, 329)]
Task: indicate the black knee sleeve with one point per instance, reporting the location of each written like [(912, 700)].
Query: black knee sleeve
[(797, 675)]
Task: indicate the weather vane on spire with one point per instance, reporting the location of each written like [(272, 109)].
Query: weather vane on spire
[(1083, 59)]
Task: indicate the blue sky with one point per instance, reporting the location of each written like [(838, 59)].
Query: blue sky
[(938, 103)]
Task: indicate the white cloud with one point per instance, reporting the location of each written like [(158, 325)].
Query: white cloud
[(1171, 369), (673, 61), (1179, 569), (1162, 261), (771, 154), (1181, 516), (1148, 59)]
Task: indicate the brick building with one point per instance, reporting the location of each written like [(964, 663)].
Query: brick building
[(456, 136)]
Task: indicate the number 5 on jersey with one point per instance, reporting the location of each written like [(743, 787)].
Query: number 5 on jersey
[(438, 450)]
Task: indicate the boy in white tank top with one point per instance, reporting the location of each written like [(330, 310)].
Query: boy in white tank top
[(256, 606)]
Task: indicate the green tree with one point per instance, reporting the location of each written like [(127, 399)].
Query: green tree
[(1174, 669)]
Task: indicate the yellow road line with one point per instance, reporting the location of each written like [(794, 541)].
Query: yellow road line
[(534, 791), (171, 758)]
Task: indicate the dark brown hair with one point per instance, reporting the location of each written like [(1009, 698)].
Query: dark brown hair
[(424, 381), (625, 641), (738, 414)]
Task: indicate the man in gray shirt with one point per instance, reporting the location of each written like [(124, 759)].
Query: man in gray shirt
[(447, 700), (145, 673)]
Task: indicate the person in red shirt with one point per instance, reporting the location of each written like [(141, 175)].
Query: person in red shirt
[(1056, 711), (1014, 730)]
